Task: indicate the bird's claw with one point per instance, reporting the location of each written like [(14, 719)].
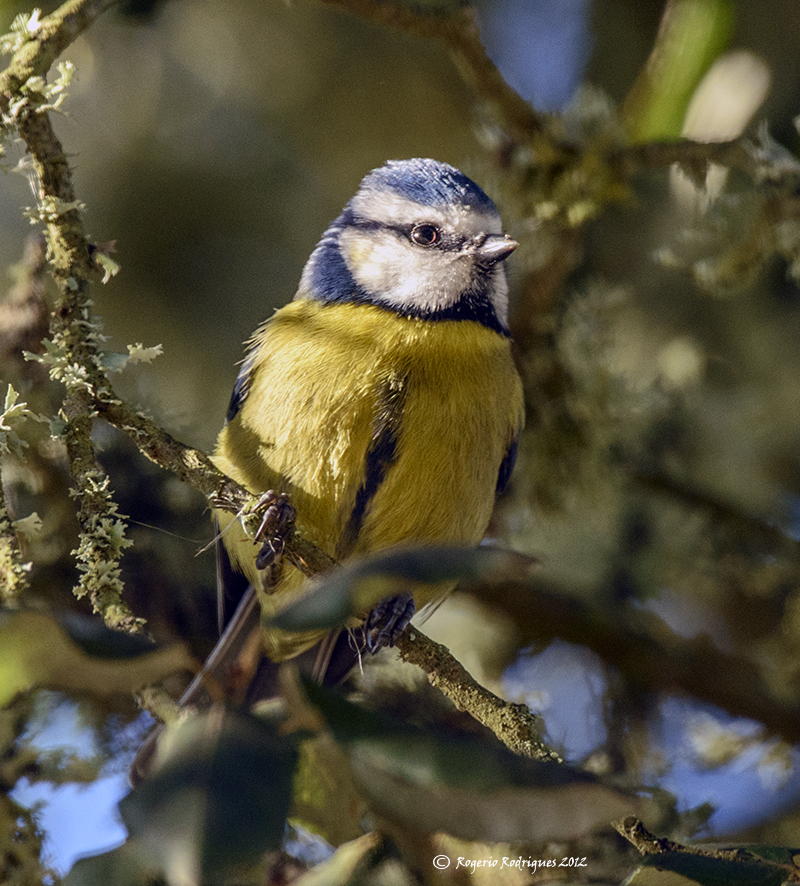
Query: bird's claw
[(387, 621), (276, 524)]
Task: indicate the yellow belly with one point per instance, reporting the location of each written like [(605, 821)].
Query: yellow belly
[(323, 382)]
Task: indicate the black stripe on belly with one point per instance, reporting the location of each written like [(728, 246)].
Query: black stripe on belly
[(381, 455)]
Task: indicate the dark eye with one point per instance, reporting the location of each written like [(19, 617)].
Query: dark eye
[(425, 235)]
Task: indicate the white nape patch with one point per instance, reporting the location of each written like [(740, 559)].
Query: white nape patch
[(391, 208)]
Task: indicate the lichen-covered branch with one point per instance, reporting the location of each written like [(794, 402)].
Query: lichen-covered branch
[(187, 463), (43, 43), (74, 349), (763, 161), (513, 724), (13, 571)]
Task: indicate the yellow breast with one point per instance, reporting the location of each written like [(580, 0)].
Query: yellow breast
[(332, 383)]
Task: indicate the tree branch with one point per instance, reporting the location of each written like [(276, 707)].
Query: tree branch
[(722, 865), (513, 724), (13, 572), (74, 334), (458, 30), (189, 464), (53, 35)]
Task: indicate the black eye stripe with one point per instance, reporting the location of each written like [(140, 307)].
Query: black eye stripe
[(447, 242)]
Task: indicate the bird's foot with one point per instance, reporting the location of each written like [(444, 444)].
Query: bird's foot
[(276, 525), (387, 621)]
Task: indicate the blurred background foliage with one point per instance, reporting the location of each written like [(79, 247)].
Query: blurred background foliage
[(657, 328)]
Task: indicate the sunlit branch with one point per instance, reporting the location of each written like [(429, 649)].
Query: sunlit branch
[(47, 41), (23, 101), (513, 724)]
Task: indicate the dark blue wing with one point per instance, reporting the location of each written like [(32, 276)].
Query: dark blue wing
[(506, 467), (240, 389)]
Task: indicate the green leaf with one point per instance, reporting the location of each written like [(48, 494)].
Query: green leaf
[(463, 786), (217, 798), (693, 34), (324, 798), (363, 583), (41, 651), (120, 866)]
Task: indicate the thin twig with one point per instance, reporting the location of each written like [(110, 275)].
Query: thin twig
[(746, 865), (458, 30)]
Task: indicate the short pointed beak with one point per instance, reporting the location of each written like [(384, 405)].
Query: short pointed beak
[(495, 248)]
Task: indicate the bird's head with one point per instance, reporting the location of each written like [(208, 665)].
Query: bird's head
[(418, 238)]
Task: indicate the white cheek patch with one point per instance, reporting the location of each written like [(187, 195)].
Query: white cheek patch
[(390, 209), (401, 275)]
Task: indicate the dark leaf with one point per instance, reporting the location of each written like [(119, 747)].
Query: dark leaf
[(38, 651), (363, 583), (120, 866), (464, 786), (217, 798)]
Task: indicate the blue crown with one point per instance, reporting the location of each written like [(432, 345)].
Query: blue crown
[(429, 183)]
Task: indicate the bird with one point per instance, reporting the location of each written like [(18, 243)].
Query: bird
[(383, 400), (383, 403)]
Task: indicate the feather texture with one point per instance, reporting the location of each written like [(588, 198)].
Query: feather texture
[(327, 383)]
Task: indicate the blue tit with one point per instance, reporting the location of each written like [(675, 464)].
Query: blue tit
[(384, 398)]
